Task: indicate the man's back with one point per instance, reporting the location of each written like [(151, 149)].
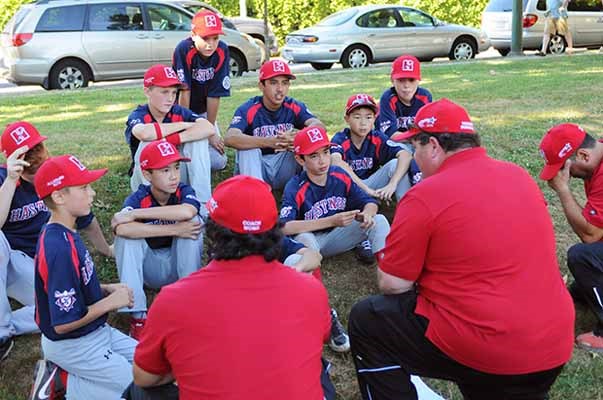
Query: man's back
[(241, 329)]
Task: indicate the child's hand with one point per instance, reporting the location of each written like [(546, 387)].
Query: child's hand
[(366, 220), (344, 218), (120, 296), (386, 192), (15, 164), (188, 229), (122, 217)]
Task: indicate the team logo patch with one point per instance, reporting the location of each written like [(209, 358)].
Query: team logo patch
[(391, 143), (286, 211), (180, 74), (135, 122), (565, 150), (408, 65), (169, 73), (77, 163), (149, 80), (56, 181), (278, 66), (235, 120), (427, 122), (315, 135), (211, 21), (87, 268), (543, 155), (467, 126), (212, 205), (226, 82), (251, 225), (19, 135), (65, 300), (166, 149)]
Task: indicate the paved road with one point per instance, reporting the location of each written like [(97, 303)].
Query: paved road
[(7, 88)]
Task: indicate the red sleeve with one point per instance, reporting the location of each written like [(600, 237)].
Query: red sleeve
[(406, 245), (150, 352), (593, 209)]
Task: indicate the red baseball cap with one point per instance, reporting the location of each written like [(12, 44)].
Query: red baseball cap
[(162, 76), (244, 205), (442, 116), (63, 171), (406, 67), (206, 23), (159, 154), (19, 134), (273, 68), (310, 139), (559, 143), (361, 100)]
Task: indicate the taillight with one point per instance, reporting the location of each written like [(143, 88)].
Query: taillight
[(310, 39), (529, 20), (20, 39)]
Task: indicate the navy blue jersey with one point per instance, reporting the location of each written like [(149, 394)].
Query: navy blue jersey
[(376, 150), (142, 115), (253, 119), (305, 200), (27, 216), (65, 282), (143, 198), (395, 116), (205, 77), (288, 247)]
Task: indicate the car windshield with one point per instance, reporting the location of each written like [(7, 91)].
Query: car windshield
[(338, 18)]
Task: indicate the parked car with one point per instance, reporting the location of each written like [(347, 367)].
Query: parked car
[(252, 26), (64, 44), (361, 35), (585, 19)]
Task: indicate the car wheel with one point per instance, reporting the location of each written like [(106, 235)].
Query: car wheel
[(321, 66), (557, 44), (69, 74), (237, 63), (503, 52), (355, 56), (462, 49)]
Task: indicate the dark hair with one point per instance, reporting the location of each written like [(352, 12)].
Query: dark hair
[(588, 143), (451, 141), (224, 244)]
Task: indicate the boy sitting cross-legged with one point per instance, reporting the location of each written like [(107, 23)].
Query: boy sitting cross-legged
[(158, 232), (322, 207), (82, 352)]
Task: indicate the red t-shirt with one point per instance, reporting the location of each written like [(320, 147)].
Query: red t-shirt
[(593, 187), (239, 329), (478, 240)]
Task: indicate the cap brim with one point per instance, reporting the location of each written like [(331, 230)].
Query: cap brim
[(167, 162), (400, 75), (290, 76), (90, 176), (209, 33), (313, 148), (549, 171), (405, 135), (375, 108)]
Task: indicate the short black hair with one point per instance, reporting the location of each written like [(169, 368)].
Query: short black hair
[(588, 143), (451, 141), (224, 244)]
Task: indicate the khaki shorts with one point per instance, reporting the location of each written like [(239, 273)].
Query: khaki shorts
[(555, 25)]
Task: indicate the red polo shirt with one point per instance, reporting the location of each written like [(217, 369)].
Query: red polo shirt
[(478, 239), (240, 329), (593, 187)]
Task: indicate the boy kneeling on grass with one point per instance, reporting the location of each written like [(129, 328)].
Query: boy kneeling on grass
[(158, 232), (85, 357), (323, 207)]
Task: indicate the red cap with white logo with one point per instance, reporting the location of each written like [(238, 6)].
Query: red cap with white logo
[(244, 205), (559, 143), (159, 154), (406, 67), (206, 23), (19, 134), (162, 76), (310, 139), (273, 68), (64, 171), (361, 100), (442, 116)]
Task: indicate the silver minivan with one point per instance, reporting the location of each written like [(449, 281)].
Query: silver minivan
[(64, 44), (585, 22)]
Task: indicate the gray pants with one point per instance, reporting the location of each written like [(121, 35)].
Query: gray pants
[(341, 239), (195, 173), (17, 282), (99, 364), (138, 265), (218, 161), (382, 176), (274, 169)]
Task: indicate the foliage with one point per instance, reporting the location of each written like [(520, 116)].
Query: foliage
[(464, 12), (8, 9)]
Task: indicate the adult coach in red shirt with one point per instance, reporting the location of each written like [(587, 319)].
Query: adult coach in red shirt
[(245, 326), (471, 286)]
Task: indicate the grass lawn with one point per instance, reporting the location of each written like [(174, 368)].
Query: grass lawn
[(513, 103)]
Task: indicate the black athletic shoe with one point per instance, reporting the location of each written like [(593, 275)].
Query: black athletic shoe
[(6, 345), (339, 342), (47, 382), (364, 252)]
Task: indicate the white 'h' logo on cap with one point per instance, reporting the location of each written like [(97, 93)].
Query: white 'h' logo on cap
[(315, 135), (211, 21), (19, 135), (408, 65), (77, 163), (278, 66), (166, 149), (169, 73)]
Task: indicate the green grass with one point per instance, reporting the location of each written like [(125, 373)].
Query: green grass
[(512, 102)]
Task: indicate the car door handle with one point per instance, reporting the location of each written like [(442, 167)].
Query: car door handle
[(371, 35), (142, 36), (158, 36)]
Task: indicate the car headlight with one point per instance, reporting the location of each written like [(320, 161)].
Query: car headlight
[(249, 38)]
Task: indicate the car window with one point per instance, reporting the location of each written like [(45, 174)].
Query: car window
[(384, 18), (165, 18), (585, 5), (115, 17), (415, 18), (502, 5), (338, 18), (14, 22), (62, 19)]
